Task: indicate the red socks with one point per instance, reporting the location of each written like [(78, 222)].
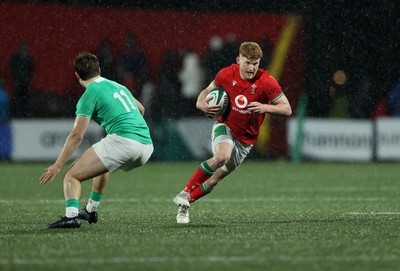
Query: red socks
[(199, 192), (196, 182), (202, 173)]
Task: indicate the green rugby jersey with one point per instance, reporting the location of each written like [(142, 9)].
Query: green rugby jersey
[(112, 106)]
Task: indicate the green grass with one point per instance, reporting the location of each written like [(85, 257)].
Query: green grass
[(265, 216)]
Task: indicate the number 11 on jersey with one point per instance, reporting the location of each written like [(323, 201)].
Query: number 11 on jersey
[(122, 96)]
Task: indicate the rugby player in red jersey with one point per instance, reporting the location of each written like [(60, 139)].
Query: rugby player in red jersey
[(253, 92)]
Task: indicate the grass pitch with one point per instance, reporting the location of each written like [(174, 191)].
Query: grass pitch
[(265, 216)]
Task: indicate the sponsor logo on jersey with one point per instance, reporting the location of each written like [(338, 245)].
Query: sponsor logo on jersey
[(241, 101), (234, 83)]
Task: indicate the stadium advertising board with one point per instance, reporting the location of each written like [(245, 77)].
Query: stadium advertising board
[(388, 138), (340, 140), (35, 140)]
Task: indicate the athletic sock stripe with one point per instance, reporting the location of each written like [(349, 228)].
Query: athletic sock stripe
[(72, 203), (204, 188), (206, 168), (95, 196)]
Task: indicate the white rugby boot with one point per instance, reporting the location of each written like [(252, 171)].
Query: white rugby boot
[(183, 215), (182, 199)]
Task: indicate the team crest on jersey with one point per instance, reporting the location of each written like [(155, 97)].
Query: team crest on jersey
[(234, 83), (253, 89), (241, 101)]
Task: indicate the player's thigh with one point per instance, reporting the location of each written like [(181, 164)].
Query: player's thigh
[(87, 166), (224, 149), (221, 139)]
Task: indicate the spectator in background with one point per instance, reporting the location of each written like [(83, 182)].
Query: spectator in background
[(132, 65), (393, 100), (213, 58), (4, 103), (21, 66), (229, 50), (191, 80), (166, 103), (107, 61), (339, 93), (5, 130), (362, 98), (147, 96), (264, 62)]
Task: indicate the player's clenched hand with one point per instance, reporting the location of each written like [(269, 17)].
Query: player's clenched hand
[(257, 108), (49, 174), (208, 109)]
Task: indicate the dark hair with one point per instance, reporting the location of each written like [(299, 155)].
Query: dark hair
[(86, 65)]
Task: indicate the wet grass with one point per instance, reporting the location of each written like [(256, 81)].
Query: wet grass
[(265, 216)]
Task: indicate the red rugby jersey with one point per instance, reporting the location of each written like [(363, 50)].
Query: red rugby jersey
[(262, 88)]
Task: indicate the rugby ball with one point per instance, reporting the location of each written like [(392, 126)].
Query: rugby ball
[(218, 97)]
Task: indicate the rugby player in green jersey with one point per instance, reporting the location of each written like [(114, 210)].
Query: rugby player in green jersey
[(127, 143)]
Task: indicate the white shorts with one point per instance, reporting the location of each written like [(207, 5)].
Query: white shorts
[(120, 152), (222, 133)]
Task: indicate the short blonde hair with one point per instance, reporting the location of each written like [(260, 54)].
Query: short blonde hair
[(250, 50)]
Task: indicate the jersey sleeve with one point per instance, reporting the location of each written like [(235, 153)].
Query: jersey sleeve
[(219, 78), (86, 104), (275, 90)]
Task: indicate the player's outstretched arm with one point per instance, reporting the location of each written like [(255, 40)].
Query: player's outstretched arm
[(72, 143)]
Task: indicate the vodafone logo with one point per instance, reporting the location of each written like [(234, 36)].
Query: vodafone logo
[(241, 101)]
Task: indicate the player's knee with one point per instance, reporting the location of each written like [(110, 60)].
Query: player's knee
[(220, 159), (69, 176), (66, 177)]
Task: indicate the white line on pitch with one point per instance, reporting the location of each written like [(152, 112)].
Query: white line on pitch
[(372, 213), (213, 200), (192, 259)]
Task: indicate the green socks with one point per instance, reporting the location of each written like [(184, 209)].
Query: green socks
[(71, 208), (93, 202)]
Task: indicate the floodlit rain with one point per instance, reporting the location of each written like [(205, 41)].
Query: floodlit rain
[(302, 176), (335, 61)]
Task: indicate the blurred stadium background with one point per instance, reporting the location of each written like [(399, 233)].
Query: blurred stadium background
[(337, 61)]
